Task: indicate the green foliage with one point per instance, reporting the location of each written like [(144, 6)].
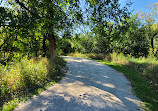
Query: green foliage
[(105, 11), (64, 47), (20, 79), (96, 56), (82, 42), (33, 27), (125, 37), (77, 54)]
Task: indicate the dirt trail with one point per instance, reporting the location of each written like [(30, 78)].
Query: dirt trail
[(88, 86)]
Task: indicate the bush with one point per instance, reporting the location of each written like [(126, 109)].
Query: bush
[(96, 56), (77, 54), (24, 77), (108, 58), (147, 67)]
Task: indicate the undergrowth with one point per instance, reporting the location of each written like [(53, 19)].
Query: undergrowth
[(22, 79)]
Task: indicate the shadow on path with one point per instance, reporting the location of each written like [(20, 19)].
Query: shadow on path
[(88, 86)]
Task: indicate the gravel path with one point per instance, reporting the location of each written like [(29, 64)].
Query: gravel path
[(88, 86)]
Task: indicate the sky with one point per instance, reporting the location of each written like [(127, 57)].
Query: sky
[(139, 4)]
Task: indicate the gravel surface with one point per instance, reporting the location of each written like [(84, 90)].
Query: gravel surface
[(87, 86)]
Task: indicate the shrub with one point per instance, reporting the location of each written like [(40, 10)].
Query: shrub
[(24, 77), (96, 56), (147, 67), (108, 58), (77, 54)]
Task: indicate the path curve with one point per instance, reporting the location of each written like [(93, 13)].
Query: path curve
[(88, 86)]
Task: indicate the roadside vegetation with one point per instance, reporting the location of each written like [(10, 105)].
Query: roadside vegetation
[(20, 80), (142, 72), (34, 33), (129, 47)]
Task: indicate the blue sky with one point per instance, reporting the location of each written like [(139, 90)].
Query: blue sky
[(139, 4)]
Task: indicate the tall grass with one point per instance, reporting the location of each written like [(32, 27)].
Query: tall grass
[(20, 79), (146, 66), (78, 54)]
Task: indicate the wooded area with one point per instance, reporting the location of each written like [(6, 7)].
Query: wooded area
[(33, 30), (40, 27)]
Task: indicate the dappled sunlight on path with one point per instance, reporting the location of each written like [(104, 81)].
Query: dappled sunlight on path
[(87, 86)]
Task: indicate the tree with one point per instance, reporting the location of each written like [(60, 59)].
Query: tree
[(52, 16), (104, 16), (149, 19)]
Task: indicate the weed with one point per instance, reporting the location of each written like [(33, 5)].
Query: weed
[(27, 77)]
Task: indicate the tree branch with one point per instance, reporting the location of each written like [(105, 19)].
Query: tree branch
[(155, 34), (23, 6)]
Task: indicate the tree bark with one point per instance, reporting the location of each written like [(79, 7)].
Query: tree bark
[(52, 46), (36, 48), (152, 41), (44, 45)]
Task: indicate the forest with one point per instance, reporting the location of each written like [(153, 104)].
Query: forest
[(35, 33)]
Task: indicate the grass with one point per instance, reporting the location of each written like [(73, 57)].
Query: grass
[(22, 79), (141, 88), (77, 54), (142, 72)]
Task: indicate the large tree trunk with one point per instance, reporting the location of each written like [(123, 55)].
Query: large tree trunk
[(152, 43), (52, 46), (44, 45), (36, 48)]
